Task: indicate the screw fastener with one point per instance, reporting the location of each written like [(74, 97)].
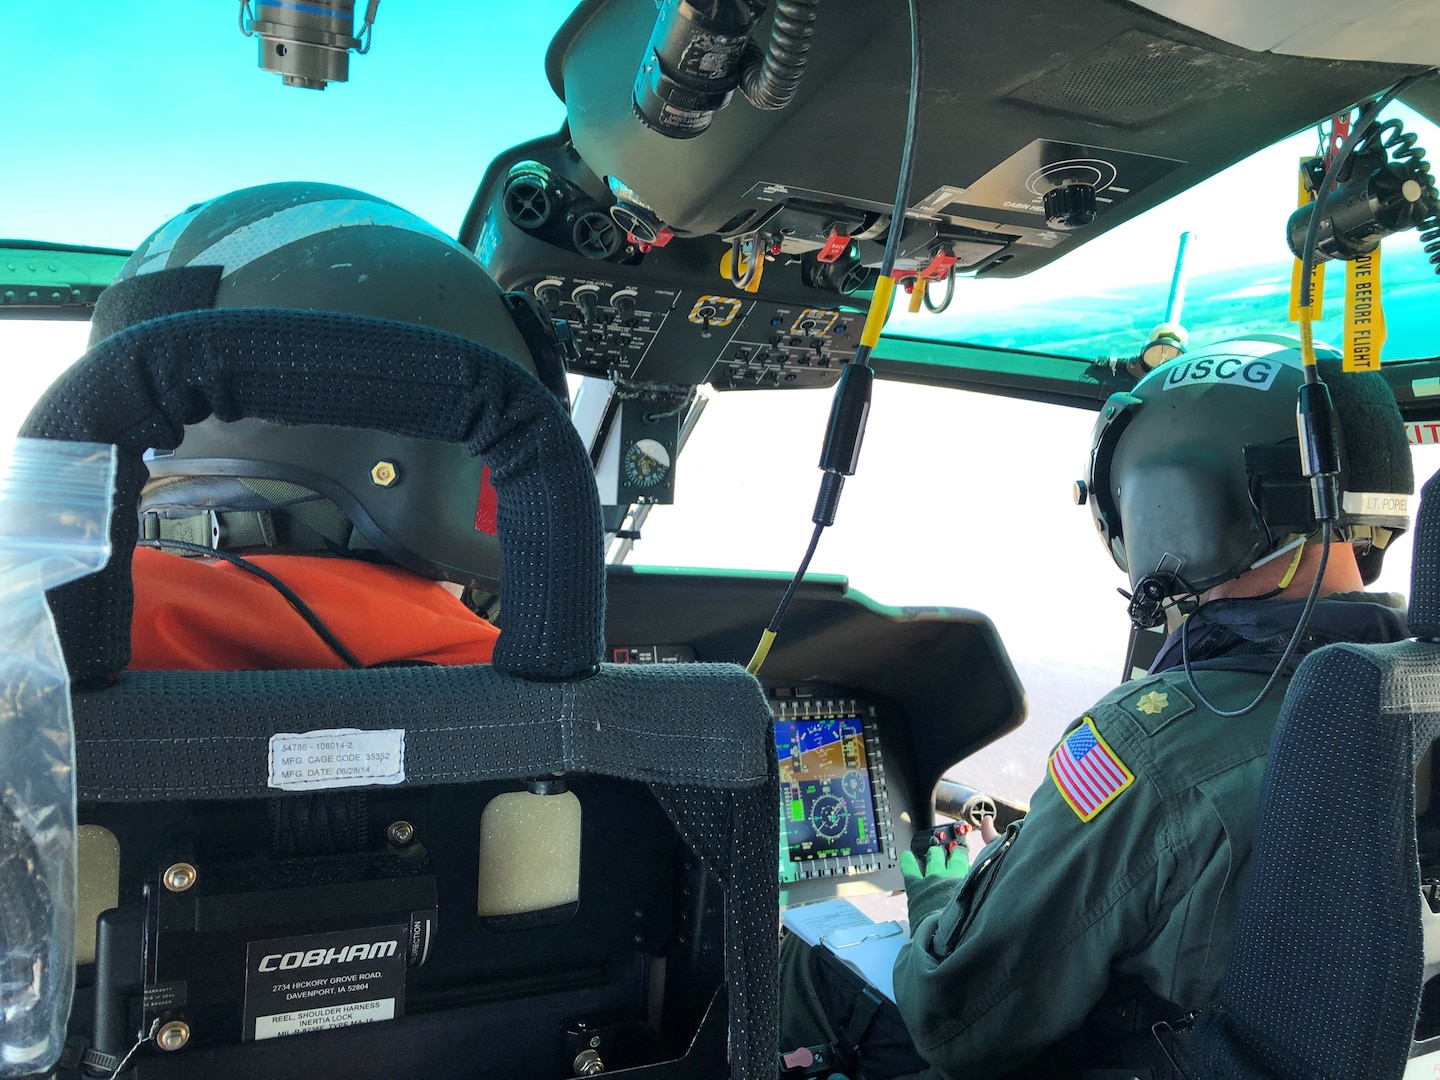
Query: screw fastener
[(384, 473), (588, 1063), (400, 833), (173, 1036), (180, 877)]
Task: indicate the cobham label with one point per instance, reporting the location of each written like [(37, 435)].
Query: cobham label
[(316, 982)]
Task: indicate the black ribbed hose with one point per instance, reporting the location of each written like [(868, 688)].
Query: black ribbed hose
[(769, 80)]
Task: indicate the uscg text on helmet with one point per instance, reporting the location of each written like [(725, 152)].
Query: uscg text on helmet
[(343, 954), (1226, 370)]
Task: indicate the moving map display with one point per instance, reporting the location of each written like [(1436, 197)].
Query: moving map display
[(827, 805)]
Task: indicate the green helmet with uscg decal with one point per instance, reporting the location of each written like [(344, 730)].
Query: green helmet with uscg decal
[(1195, 476), (251, 485)]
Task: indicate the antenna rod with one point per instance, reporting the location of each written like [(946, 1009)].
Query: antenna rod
[(1175, 306)]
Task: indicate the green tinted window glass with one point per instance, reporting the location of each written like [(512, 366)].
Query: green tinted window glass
[(1105, 299)]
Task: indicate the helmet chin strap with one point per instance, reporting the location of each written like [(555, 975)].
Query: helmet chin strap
[(1294, 566), (1297, 545)]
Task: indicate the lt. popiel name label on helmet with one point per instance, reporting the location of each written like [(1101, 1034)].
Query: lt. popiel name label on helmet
[(1248, 371), (1376, 504), (318, 981)]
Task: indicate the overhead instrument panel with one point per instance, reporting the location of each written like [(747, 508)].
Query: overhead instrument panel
[(1030, 143), (660, 310), (1032, 182), (646, 334)]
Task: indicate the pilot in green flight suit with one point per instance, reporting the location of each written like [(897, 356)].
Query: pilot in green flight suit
[(1111, 905)]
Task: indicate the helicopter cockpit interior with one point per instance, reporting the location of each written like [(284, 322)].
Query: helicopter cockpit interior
[(739, 196)]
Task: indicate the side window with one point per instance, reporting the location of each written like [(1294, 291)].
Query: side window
[(34, 352), (1106, 297), (961, 499), (1396, 575)]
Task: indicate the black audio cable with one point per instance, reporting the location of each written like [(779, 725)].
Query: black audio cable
[(851, 407), (1300, 626)]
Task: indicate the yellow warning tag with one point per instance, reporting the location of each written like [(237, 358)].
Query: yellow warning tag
[(1364, 316), (1317, 272)]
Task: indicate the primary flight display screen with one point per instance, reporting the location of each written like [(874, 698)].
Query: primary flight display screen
[(828, 805)]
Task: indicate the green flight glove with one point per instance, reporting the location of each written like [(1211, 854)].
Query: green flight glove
[(927, 890)]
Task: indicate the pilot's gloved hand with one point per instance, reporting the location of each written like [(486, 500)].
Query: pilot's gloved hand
[(927, 890), (988, 831)]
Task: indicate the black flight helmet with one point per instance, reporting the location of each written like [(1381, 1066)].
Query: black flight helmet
[(252, 485), (1195, 475)]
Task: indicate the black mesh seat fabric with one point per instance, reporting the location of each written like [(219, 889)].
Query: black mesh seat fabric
[(1327, 965), (669, 960)]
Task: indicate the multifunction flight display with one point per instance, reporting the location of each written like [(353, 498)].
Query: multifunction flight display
[(834, 815)]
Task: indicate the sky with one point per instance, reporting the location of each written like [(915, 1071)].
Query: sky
[(138, 110), (142, 108)]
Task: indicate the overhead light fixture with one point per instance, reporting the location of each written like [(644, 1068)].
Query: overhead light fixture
[(309, 44)]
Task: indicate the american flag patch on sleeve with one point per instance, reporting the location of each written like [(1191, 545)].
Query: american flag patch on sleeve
[(1087, 772)]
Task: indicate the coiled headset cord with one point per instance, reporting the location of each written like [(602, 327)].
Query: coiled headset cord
[(1319, 452), (1400, 145)]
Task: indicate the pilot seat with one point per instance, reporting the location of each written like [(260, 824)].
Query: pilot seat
[(246, 928)]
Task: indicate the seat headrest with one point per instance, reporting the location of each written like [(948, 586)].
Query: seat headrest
[(139, 388)]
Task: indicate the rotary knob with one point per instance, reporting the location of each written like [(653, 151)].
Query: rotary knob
[(1071, 206), (589, 304)]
